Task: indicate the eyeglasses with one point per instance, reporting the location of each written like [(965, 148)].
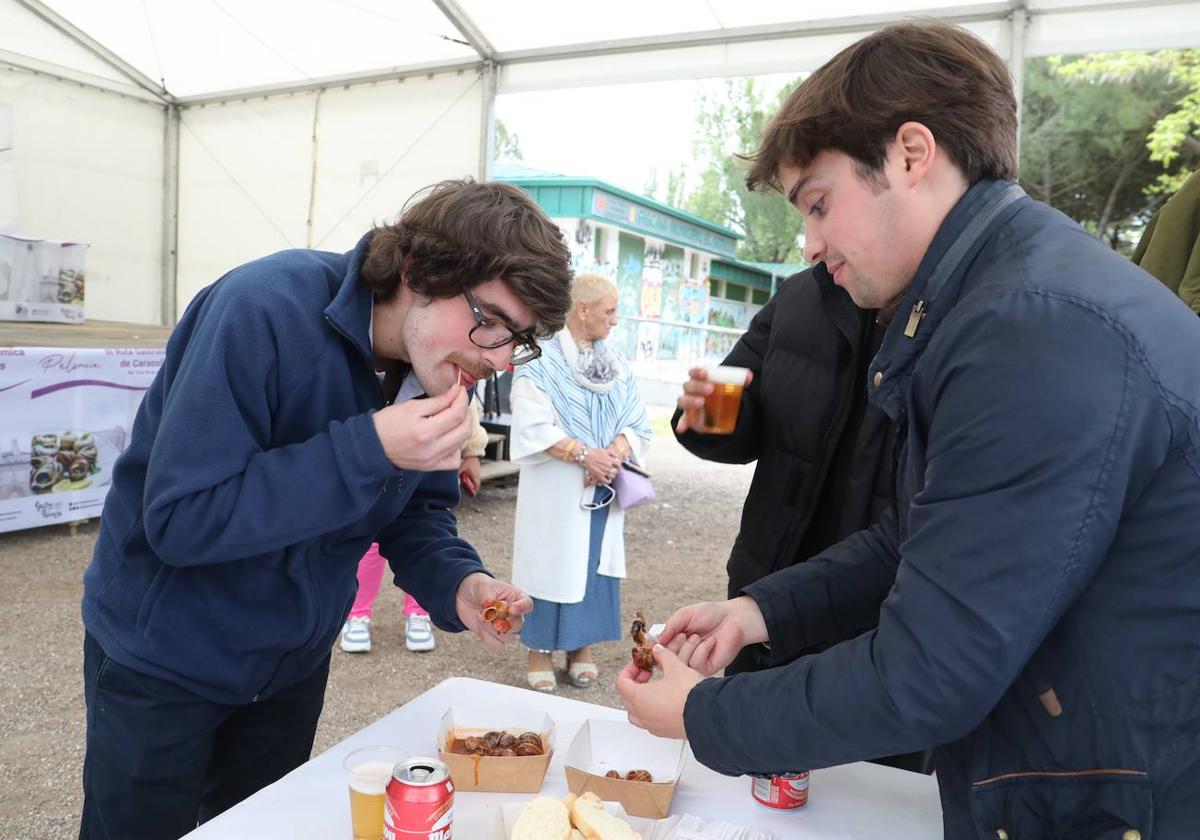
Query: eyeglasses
[(489, 334)]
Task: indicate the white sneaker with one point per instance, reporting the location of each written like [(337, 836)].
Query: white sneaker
[(418, 633), (356, 635)]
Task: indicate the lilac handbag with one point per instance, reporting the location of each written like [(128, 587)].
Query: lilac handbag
[(632, 486)]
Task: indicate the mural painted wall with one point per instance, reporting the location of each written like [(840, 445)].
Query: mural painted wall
[(631, 253), (581, 237)]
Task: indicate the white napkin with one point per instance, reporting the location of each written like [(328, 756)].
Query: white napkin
[(687, 827)]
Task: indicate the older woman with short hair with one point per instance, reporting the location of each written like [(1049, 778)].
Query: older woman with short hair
[(577, 417)]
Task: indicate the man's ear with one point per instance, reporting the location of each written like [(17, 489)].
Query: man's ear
[(916, 148)]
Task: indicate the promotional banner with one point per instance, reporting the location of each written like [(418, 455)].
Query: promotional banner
[(41, 279), (65, 416), (8, 172)]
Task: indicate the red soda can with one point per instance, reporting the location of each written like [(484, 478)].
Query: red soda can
[(420, 801), (784, 792)]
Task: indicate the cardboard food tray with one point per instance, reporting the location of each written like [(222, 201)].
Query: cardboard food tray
[(603, 745), (497, 774)]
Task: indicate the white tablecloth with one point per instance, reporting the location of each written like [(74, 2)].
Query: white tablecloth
[(856, 801)]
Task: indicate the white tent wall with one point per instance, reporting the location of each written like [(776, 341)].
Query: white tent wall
[(27, 39), (244, 172), (252, 177), (251, 170), (89, 168)]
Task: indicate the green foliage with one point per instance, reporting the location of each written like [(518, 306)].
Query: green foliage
[(508, 146), (1087, 143), (731, 120), (1173, 138)]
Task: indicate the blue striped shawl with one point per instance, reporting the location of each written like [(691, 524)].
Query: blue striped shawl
[(594, 418)]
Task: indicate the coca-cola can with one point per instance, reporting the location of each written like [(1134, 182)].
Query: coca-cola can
[(785, 792), (420, 801)]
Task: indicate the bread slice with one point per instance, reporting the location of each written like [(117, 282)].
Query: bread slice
[(589, 816), (543, 819)]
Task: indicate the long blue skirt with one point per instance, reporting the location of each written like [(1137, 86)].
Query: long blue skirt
[(597, 618)]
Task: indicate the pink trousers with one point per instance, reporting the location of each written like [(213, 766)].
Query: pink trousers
[(370, 576)]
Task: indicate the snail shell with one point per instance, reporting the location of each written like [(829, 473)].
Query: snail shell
[(45, 476), (88, 451), (45, 444), (78, 469)]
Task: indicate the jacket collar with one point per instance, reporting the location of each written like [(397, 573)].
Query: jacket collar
[(350, 311), (936, 287)]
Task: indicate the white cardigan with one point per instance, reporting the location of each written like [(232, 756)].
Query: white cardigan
[(550, 540)]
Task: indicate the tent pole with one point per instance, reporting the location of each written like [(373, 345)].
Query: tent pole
[(487, 121), (466, 27), (45, 69), (312, 187), (68, 29), (170, 216), (1016, 63)]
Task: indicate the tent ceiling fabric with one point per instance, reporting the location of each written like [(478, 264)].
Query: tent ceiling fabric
[(204, 49)]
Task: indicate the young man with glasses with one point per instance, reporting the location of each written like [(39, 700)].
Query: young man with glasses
[(310, 404)]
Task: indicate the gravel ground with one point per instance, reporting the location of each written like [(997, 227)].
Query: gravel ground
[(676, 549)]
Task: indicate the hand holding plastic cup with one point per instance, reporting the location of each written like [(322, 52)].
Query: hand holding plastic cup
[(720, 413), (368, 770)]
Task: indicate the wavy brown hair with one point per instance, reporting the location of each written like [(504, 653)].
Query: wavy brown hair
[(457, 234), (929, 72)]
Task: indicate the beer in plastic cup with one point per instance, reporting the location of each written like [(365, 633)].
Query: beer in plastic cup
[(368, 771), (720, 412)]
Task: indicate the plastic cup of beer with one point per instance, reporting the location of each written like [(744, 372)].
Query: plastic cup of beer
[(368, 770), (720, 413)]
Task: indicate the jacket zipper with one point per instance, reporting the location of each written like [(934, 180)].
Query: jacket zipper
[(914, 318)]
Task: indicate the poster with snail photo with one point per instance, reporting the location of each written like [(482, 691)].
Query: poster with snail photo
[(67, 417), (41, 279)]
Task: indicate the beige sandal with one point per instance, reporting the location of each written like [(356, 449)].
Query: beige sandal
[(543, 681), (582, 674)]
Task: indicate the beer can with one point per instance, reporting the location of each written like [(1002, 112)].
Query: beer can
[(420, 801), (784, 792)]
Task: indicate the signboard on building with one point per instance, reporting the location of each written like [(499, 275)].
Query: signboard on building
[(605, 205)]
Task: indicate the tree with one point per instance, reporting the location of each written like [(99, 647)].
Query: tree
[(1173, 140), (508, 146), (731, 121), (1084, 140)]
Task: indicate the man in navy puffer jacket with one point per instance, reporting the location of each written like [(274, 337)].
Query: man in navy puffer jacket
[(1036, 591), (310, 404)]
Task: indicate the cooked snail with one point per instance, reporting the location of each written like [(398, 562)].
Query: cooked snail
[(504, 744), (496, 612), (643, 649)]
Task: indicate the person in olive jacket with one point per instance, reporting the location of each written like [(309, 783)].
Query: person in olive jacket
[(824, 452), (1036, 588)]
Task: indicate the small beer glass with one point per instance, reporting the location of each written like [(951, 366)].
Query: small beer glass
[(368, 770), (720, 412)]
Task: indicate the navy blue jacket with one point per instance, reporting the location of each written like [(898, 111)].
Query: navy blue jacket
[(1037, 589), (254, 482)]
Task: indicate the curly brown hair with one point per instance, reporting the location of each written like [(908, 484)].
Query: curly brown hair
[(925, 71), (460, 233)]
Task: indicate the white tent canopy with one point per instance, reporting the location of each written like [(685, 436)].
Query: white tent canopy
[(181, 137)]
